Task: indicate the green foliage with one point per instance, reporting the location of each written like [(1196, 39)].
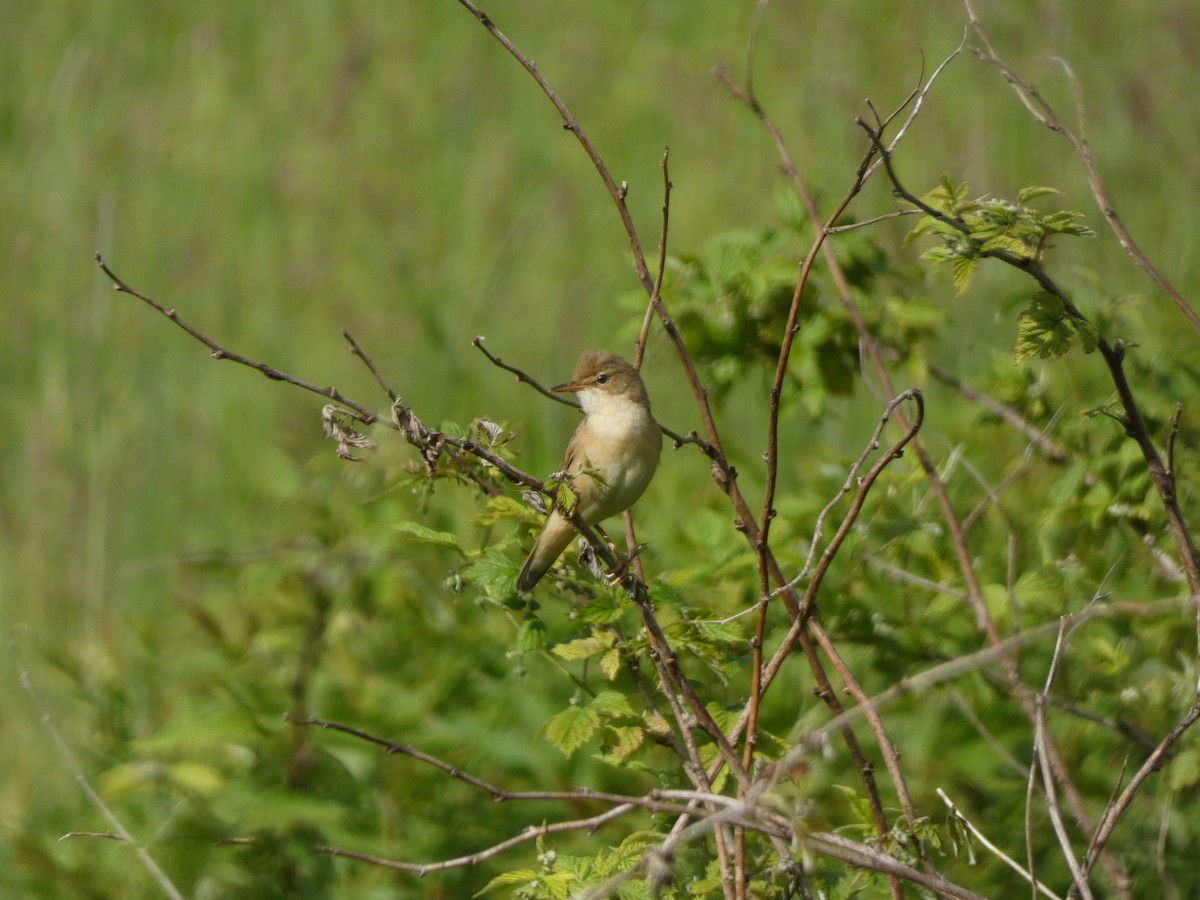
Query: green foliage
[(571, 728), (971, 229), (565, 876), (180, 570), (731, 296), (1045, 331)]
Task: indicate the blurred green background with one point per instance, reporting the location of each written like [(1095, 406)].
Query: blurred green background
[(279, 172)]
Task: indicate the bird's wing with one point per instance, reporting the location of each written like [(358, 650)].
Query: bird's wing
[(573, 459)]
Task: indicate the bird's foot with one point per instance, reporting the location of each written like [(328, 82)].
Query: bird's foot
[(617, 575)]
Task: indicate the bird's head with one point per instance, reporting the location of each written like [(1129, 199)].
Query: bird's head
[(602, 378)]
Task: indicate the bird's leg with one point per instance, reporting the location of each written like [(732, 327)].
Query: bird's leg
[(617, 575)]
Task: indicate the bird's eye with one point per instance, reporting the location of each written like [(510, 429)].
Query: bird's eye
[(601, 378)]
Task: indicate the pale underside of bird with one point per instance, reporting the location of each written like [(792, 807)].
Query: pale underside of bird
[(618, 439)]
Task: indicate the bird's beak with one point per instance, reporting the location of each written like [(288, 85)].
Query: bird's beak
[(569, 388)]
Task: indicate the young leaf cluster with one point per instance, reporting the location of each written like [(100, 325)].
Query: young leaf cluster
[(968, 230)]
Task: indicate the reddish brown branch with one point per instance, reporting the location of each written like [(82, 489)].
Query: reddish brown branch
[(571, 124), (1154, 762)]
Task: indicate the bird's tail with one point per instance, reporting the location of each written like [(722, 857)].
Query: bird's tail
[(550, 544)]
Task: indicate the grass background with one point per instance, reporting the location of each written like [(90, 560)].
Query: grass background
[(277, 173)]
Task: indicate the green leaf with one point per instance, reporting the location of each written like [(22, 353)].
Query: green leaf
[(860, 806), (963, 268), (495, 573), (1005, 242), (505, 507), (1112, 657), (610, 664), (572, 728), (565, 498), (506, 879), (612, 703), (1088, 336), (559, 884), (1184, 771), (604, 609), (196, 778), (127, 779), (663, 593), (1032, 193), (425, 535), (1042, 330), (725, 632), (531, 635), (583, 648), (625, 739)]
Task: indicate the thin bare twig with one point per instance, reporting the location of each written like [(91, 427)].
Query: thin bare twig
[(616, 191), (1042, 762), (996, 851), (656, 293), (723, 473), (1174, 433), (868, 341), (432, 444), (532, 833), (918, 684), (1044, 113), (655, 801), (1114, 358), (1052, 450), (848, 485), (369, 363), (864, 856), (1117, 726), (820, 245), (363, 414), (984, 732), (118, 830), (874, 220), (522, 376), (904, 575), (991, 496), (1108, 820)]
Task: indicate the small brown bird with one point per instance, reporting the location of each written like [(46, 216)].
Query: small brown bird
[(618, 438)]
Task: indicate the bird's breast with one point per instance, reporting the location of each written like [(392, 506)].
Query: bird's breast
[(622, 442)]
